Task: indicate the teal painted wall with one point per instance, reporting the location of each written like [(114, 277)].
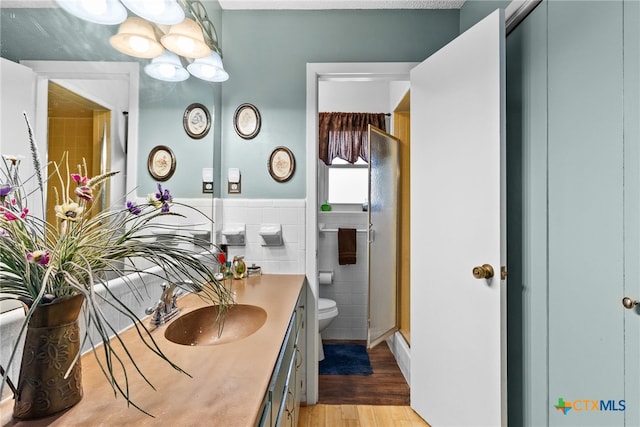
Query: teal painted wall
[(266, 52), (162, 105)]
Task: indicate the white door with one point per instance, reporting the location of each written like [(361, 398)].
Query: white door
[(18, 88), (384, 175), (458, 344)]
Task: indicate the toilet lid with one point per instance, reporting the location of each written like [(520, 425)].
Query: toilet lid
[(325, 304)]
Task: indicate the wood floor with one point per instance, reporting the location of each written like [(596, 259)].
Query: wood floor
[(377, 400), (386, 386), (359, 416)]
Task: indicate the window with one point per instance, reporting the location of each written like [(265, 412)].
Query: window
[(347, 183)]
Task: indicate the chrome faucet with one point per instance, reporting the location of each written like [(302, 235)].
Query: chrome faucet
[(166, 308)]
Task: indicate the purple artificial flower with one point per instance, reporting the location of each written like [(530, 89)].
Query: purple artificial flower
[(5, 190), (163, 198), (38, 257), (133, 208)]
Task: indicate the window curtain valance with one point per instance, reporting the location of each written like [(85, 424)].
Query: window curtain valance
[(344, 135)]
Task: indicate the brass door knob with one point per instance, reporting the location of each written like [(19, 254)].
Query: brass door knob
[(629, 303), (483, 272)]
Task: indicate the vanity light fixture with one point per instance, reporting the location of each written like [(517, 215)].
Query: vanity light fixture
[(147, 36)]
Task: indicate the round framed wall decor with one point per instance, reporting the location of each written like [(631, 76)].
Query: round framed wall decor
[(247, 121), (281, 164), (196, 121), (161, 163)]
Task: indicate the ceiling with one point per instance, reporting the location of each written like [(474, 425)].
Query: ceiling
[(288, 4)]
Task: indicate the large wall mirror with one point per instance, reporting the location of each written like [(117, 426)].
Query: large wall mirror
[(84, 97)]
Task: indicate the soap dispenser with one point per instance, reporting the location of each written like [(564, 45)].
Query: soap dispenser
[(238, 267)]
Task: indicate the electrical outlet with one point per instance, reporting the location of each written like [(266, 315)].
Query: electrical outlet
[(234, 187), (207, 187)]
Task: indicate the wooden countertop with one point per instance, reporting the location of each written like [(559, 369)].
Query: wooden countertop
[(228, 381)]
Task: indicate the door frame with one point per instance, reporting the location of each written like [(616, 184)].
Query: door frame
[(333, 71), (64, 73)]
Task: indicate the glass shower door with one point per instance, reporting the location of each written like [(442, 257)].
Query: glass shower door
[(384, 173)]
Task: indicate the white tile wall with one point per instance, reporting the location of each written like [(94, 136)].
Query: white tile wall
[(286, 259), (350, 282)]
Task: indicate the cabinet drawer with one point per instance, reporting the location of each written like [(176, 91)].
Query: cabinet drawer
[(281, 372), (289, 385), (265, 417), (283, 396)]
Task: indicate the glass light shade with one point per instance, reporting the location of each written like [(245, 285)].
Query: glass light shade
[(166, 12), (167, 67), (136, 37), (186, 39), (209, 68), (108, 12)]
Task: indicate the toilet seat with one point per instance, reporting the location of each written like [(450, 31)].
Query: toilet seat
[(326, 305), (327, 311)]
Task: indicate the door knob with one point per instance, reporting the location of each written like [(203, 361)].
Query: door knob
[(483, 272), (629, 303)]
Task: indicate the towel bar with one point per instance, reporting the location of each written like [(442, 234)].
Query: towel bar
[(324, 230)]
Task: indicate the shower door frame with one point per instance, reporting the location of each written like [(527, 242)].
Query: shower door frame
[(382, 305)]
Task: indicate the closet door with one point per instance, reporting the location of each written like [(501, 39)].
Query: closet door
[(458, 341)]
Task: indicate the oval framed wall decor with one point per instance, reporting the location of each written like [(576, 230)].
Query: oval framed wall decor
[(161, 163), (196, 121), (282, 164), (247, 121)]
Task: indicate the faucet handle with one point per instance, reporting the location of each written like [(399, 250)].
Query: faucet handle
[(166, 286), (153, 308)]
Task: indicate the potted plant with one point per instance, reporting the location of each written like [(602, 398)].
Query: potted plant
[(53, 265)]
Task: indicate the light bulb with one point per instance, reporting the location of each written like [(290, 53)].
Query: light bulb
[(139, 44), (208, 71), (167, 70), (185, 44)]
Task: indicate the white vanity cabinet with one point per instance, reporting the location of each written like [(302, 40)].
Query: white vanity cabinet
[(281, 404)]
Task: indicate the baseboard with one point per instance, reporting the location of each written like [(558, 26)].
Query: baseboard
[(402, 352)]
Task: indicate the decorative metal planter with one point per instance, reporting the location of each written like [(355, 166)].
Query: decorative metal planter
[(51, 344)]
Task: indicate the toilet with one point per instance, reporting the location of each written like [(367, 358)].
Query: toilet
[(327, 311)]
